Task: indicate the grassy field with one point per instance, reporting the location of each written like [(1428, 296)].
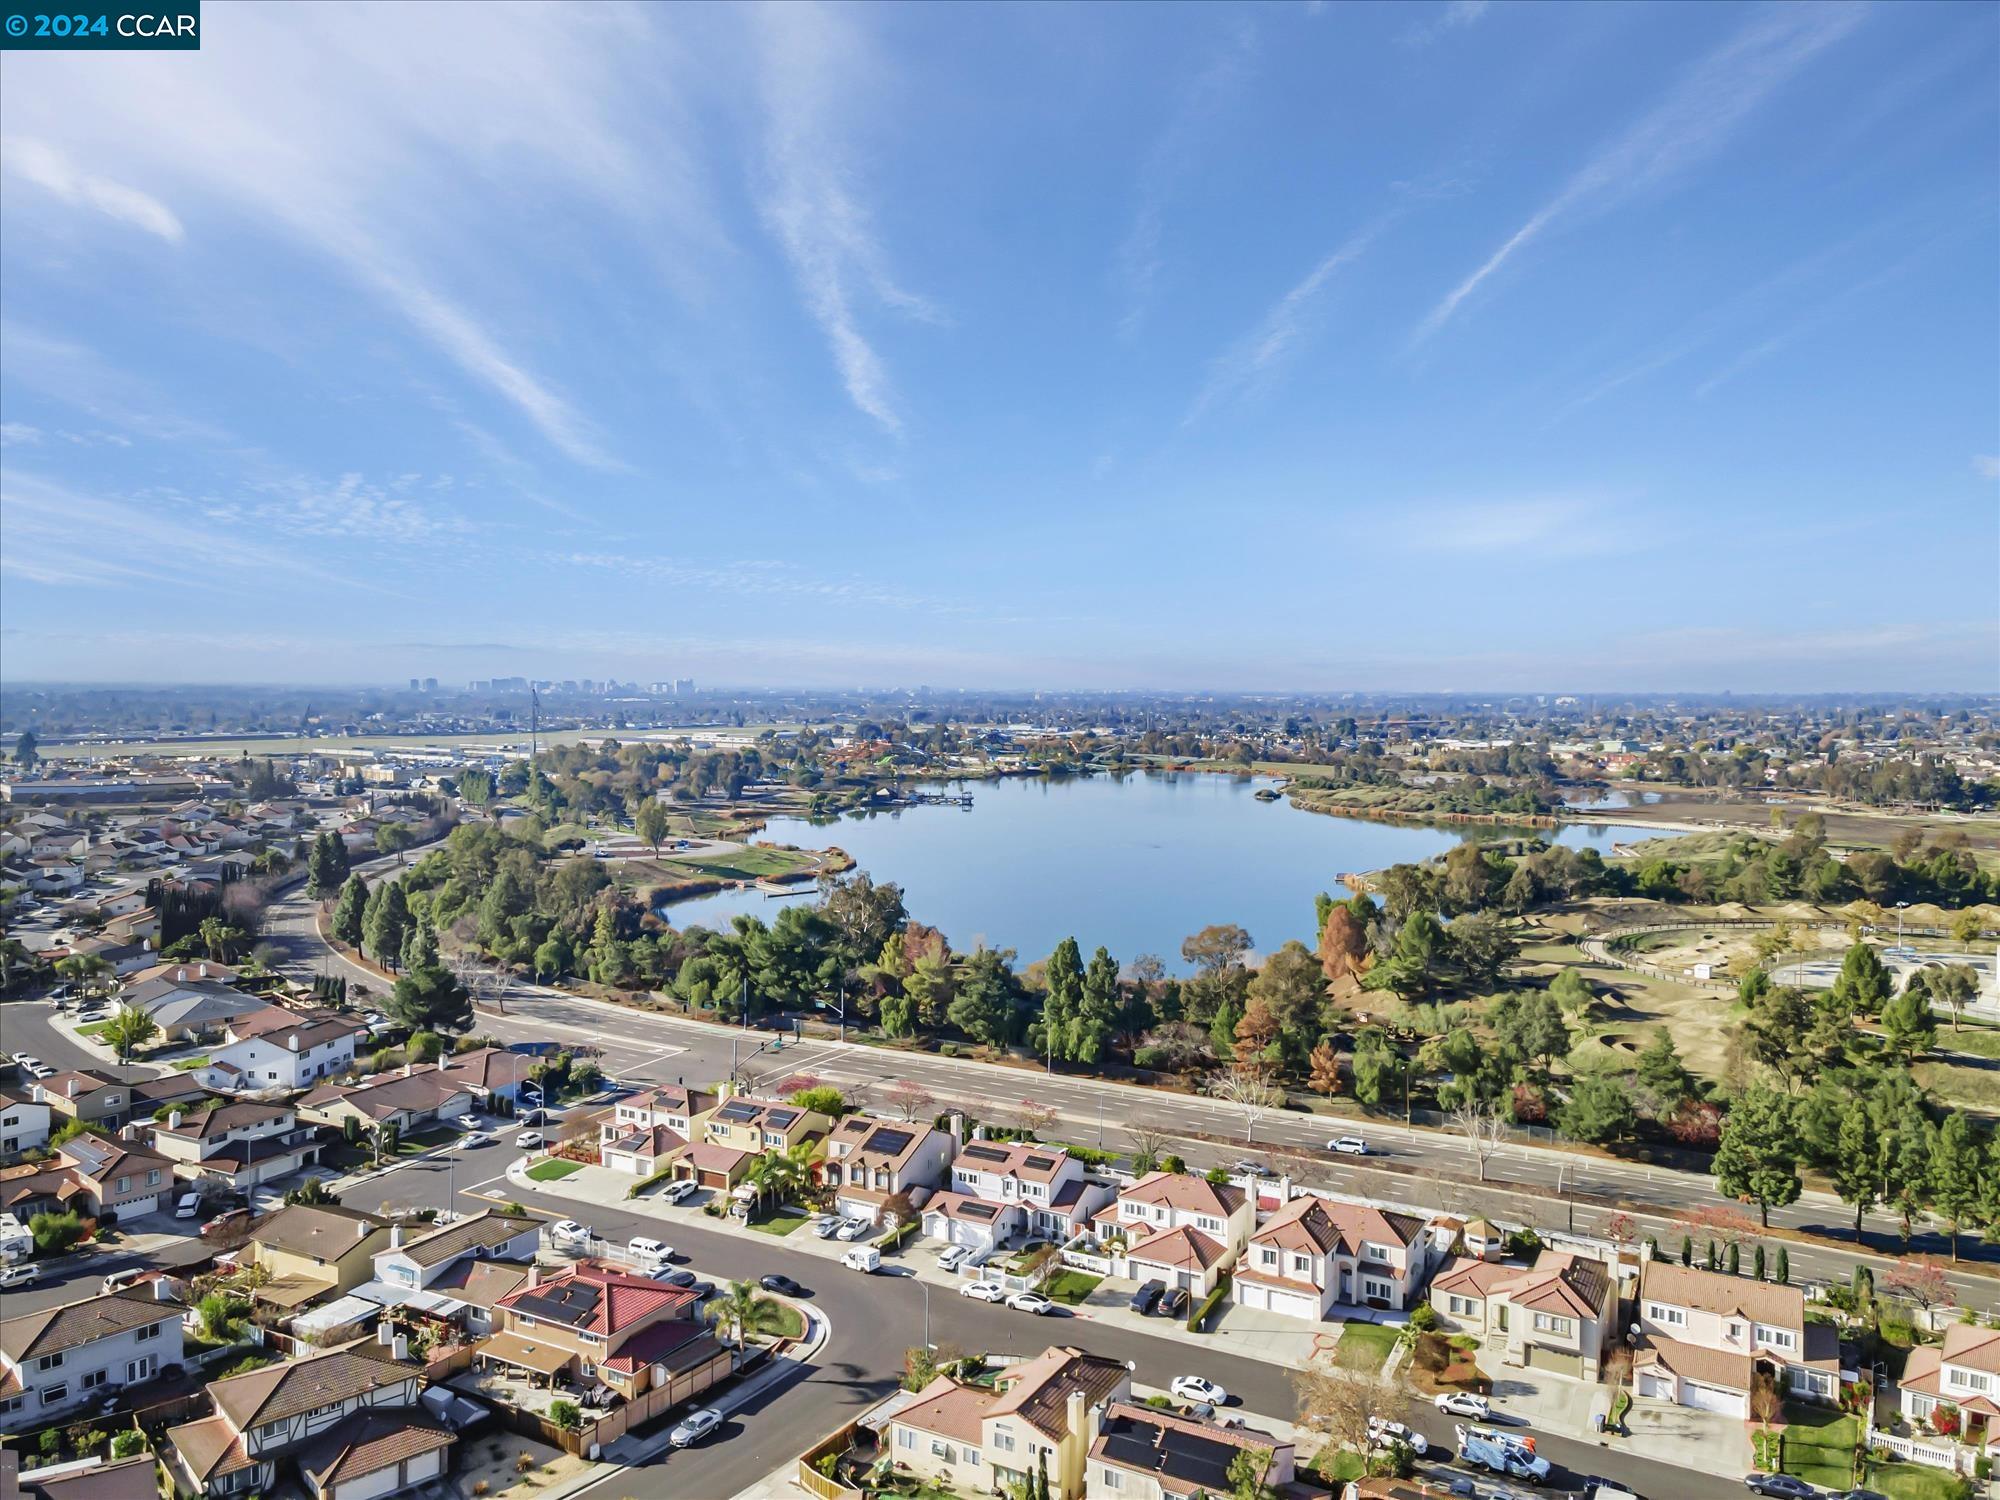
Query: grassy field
[(1966, 1084), (753, 863), (1070, 1287), (554, 1169), (780, 1223), (1819, 1446), (1365, 1346), (95, 1028), (780, 1320), (1629, 1007)]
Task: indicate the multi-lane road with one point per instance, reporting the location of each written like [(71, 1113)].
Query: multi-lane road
[(1424, 1169)]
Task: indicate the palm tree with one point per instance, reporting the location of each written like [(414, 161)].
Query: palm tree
[(129, 1030), (740, 1310)]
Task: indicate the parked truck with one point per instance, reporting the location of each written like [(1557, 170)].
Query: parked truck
[(1500, 1453)]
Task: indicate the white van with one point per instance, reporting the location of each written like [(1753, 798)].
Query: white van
[(648, 1253), (119, 1279), (864, 1258), (189, 1206)]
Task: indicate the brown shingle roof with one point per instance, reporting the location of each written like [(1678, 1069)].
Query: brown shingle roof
[(1184, 1191), (485, 1230), (1038, 1389), (1182, 1248), (1312, 1224), (325, 1233), (209, 1448), (1711, 1291), (279, 1391), (1974, 1348), (372, 1440), (56, 1328), (948, 1409)]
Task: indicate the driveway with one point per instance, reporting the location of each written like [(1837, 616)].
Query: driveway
[(1703, 1440)]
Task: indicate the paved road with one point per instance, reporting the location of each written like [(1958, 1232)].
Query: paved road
[(1428, 1169), (875, 1319)]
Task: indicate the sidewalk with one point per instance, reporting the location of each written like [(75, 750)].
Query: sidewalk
[(1245, 1332)]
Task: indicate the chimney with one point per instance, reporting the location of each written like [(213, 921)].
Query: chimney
[(174, 1120), (385, 1332), (361, 1229), (400, 1348), (534, 1273), (395, 1236), (957, 1127), (163, 1289), (202, 971), (292, 1041), (1076, 1410), (70, 1088)]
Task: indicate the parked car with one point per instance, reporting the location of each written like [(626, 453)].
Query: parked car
[(853, 1229), (784, 1286), (950, 1256), (40, 1070), (1203, 1411), (1783, 1486), (1464, 1404), (130, 1276), (20, 1057), (1250, 1168), (569, 1232), (984, 1291), (1031, 1302), (221, 1224), (828, 1227), (19, 1274), (1860, 1495), (1147, 1298), (680, 1190), (1195, 1388), (648, 1252), (1595, 1488), (1348, 1145), (703, 1290), (529, 1140), (695, 1426), (1174, 1303), (188, 1206), (1382, 1433)]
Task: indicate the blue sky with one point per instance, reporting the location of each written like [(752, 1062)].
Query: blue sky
[(1293, 346)]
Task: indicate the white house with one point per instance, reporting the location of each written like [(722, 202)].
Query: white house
[(413, 1262), (240, 1144), (1316, 1253), (1176, 1228), (1000, 1192), (61, 1357), (648, 1129), (870, 1161), (1961, 1377), (24, 1124), (1707, 1340), (275, 1048), (1557, 1315)]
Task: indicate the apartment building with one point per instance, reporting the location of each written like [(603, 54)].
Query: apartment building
[(1707, 1340), (1315, 1254), (56, 1360)]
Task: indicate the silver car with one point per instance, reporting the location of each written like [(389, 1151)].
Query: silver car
[(695, 1426)]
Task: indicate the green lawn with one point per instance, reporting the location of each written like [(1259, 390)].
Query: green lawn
[(1364, 1346), (189, 1064), (95, 1028), (1900, 1481), (781, 1320), (780, 1223), (1819, 1446), (432, 1135), (1338, 1465), (1070, 1287), (554, 1169)]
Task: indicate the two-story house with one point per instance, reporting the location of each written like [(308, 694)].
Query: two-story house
[(312, 1251), (239, 1145), (988, 1439), (116, 1176), (1002, 1192), (1960, 1376), (868, 1162), (649, 1129), (592, 1322), (1144, 1453), (417, 1262), (87, 1095), (1558, 1315), (347, 1419), (57, 1359), (1707, 1340), (746, 1123), (1315, 1253), (24, 1123), (1177, 1229), (275, 1048)]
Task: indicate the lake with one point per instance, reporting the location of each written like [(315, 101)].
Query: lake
[(1133, 862)]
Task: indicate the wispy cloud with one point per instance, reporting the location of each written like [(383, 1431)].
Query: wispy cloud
[(1986, 465), (811, 59), (1247, 363), (1543, 526), (1455, 16), (49, 169), (1141, 257), (350, 509), (1694, 120), (19, 435)]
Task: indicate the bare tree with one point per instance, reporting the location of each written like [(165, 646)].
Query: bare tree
[(1484, 1126), (1148, 1147), (1035, 1116), (1339, 1403), (1255, 1095), (909, 1099)]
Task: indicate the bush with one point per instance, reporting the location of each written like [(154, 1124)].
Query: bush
[(826, 1099), (900, 1235), (55, 1233), (1090, 1156), (566, 1414), (1153, 1059), (127, 1443), (1423, 1317), (1208, 1304)]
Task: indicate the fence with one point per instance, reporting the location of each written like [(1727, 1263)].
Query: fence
[(817, 1484), (1939, 1454)]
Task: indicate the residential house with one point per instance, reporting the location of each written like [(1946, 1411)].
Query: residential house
[(39, 1187), (1707, 1340), (712, 1166), (94, 1478), (981, 1439), (489, 1074), (472, 1289), (87, 1095), (312, 1251), (276, 1048), (347, 1419), (117, 1177), (415, 1262), (1177, 1228), (408, 1099), (759, 1125), (1559, 1314), (55, 1360), (1145, 1453), (1957, 1379), (189, 1009), (1316, 1253), (647, 1130), (24, 1123), (182, 971), (595, 1323), (169, 1088), (240, 1144), (868, 1162), (1001, 1192)]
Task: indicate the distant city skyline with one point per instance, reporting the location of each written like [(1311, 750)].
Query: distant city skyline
[(1492, 348)]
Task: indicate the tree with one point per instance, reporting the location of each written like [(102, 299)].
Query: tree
[(1915, 1279), (1340, 1402), (1343, 945), (1246, 1474), (651, 822), (387, 923), (1957, 1175), (1532, 1024), (566, 1414), (1660, 1069), (1484, 946), (1483, 1123), (1324, 1077), (985, 1006), (1952, 986), (55, 1233), (740, 1310), (1411, 968), (1097, 1011), (1377, 1068), (1063, 976), (221, 940), (1148, 1148), (910, 1100), (1864, 984), (1853, 1169), (326, 866), (129, 1030), (349, 910), (1250, 1092), (1254, 1035), (26, 754), (1035, 1117), (430, 999), (1908, 1025), (1598, 1110), (1757, 1159)]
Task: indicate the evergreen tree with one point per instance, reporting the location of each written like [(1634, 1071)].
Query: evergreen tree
[(1863, 984), (387, 922), (1097, 1010), (1783, 1273), (1687, 1249), (326, 866), (420, 946), (1064, 978), (1757, 1157), (348, 912), (1956, 1175)]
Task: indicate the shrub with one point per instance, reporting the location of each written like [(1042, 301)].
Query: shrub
[(1423, 1317), (55, 1233), (1153, 1059), (1199, 1317), (126, 1444), (565, 1414)]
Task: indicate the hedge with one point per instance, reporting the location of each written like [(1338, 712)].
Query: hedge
[(900, 1235), (658, 1177), (1208, 1304)]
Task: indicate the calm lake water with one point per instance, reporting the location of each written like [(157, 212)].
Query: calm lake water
[(1135, 863)]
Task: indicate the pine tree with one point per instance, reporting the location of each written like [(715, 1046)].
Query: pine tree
[(1687, 1249), (1756, 1158), (387, 922), (1757, 1263), (349, 911), (1783, 1274), (1064, 977)]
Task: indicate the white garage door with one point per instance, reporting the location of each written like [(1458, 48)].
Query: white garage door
[(1661, 1386), (1712, 1398), (1295, 1304)]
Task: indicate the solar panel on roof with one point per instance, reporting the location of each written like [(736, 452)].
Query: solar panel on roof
[(979, 1210), (890, 1142), (1199, 1459), (1041, 1163), (1129, 1447), (736, 1113), (782, 1117), (984, 1153)]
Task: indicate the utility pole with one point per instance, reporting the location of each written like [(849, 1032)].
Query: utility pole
[(534, 724)]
